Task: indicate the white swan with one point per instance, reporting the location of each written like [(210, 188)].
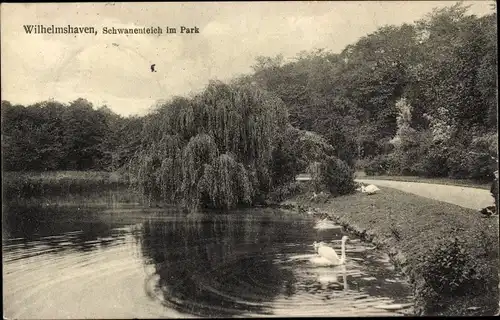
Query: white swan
[(329, 253), (370, 189)]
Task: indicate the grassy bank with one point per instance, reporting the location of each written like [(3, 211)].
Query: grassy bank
[(25, 184), (445, 181), (449, 253)]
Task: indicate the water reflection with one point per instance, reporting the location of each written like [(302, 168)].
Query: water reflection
[(122, 260), (45, 223), (260, 264), (221, 265)]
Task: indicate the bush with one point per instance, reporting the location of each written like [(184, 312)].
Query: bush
[(474, 160), (458, 159), (451, 270), (456, 164), (309, 147), (361, 164), (286, 191), (378, 165), (446, 270), (487, 143), (434, 163), (479, 167), (333, 175), (464, 164), (480, 160)]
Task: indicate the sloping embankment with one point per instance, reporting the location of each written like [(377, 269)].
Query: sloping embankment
[(449, 253)]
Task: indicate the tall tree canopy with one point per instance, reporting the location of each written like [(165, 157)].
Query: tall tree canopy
[(51, 135), (440, 71), (213, 150), (442, 66)]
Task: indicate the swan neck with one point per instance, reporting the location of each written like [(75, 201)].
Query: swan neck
[(342, 257)]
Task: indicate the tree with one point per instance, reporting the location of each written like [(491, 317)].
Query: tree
[(83, 131), (50, 135), (212, 150)]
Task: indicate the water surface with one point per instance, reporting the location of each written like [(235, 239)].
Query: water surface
[(105, 256)]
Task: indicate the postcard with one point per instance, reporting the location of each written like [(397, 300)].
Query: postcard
[(249, 159)]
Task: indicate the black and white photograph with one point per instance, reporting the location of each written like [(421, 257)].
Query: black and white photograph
[(249, 159)]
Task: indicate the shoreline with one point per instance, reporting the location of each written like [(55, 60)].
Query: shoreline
[(380, 219), (28, 184), (409, 228)]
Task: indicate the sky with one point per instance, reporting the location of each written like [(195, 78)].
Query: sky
[(114, 70)]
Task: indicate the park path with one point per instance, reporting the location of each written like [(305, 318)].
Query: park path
[(463, 196)]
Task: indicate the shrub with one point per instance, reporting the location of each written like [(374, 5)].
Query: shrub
[(434, 163), (487, 143), (333, 175), (464, 164), (456, 164), (452, 268), (286, 191), (285, 164), (446, 269), (361, 164), (473, 160), (479, 166), (309, 147), (378, 165), (480, 160)]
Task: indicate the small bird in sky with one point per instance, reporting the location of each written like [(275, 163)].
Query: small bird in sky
[(153, 68)]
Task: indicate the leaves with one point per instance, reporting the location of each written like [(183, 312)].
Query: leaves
[(213, 150), (444, 65)]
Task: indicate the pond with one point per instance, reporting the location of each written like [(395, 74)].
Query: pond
[(103, 255)]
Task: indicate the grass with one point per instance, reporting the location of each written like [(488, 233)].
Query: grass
[(445, 181), (412, 229), (22, 184), (57, 176)]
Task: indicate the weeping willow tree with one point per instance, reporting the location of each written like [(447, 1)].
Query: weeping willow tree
[(213, 150)]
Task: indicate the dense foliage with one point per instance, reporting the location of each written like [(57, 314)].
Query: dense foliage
[(448, 272), (53, 136), (229, 145), (415, 99)]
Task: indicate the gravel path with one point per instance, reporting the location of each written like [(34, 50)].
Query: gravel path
[(463, 196)]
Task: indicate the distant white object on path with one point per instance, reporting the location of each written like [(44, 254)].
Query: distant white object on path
[(369, 189)]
